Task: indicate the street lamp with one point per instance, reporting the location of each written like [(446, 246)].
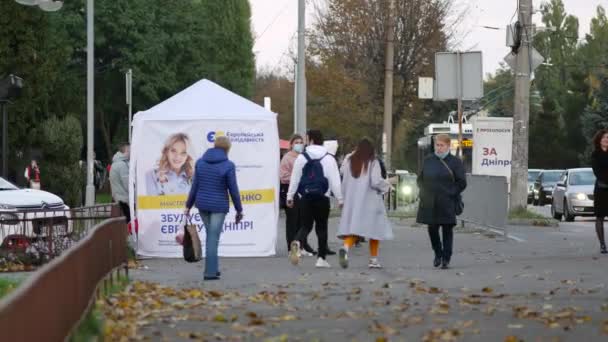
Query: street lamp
[(50, 6), (10, 87)]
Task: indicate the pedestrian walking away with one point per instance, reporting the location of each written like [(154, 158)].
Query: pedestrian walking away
[(293, 221), (441, 183), (599, 163), (313, 179), (214, 178), (119, 179), (363, 214)]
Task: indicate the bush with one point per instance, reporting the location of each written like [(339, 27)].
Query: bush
[(61, 172)]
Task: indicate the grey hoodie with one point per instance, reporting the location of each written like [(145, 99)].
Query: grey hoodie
[(119, 177)]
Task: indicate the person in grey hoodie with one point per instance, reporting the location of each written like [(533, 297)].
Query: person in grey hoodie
[(119, 179)]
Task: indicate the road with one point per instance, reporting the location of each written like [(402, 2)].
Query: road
[(551, 286)]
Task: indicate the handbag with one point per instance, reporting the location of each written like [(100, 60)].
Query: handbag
[(192, 243), (458, 199)]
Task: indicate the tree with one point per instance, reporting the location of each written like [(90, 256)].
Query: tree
[(281, 91), (63, 175), (350, 36), (596, 115)]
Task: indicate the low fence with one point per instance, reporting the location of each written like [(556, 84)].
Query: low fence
[(48, 305), (35, 236), (486, 202)]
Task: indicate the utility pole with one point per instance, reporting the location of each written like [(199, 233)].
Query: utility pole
[(90, 189), (129, 90), (460, 91), (521, 113), (300, 104), (387, 136)]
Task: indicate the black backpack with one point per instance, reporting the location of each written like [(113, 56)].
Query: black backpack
[(382, 168), (313, 184)]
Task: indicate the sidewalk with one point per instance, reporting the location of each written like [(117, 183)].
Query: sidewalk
[(555, 286)]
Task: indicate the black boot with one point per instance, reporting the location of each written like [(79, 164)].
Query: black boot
[(445, 263), (437, 261), (603, 249)]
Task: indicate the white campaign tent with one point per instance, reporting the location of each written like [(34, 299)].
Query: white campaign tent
[(169, 138)]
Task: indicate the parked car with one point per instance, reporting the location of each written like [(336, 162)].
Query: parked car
[(26, 212), (532, 175), (573, 194), (543, 186)]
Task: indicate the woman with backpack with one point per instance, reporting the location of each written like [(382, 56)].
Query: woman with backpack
[(441, 183), (363, 214)]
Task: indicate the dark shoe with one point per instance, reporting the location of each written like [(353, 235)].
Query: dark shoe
[(330, 252), (603, 250), (211, 278), (445, 263), (437, 261)]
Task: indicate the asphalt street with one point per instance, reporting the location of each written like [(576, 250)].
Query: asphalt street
[(548, 285)]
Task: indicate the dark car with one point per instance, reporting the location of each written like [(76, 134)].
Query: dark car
[(544, 185), (532, 175)]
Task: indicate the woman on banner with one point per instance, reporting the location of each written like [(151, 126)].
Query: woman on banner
[(363, 214), (293, 221), (441, 182), (174, 170), (215, 178), (599, 163)]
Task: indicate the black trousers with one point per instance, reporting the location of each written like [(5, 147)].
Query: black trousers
[(443, 248), (126, 211), (293, 222), (315, 212)]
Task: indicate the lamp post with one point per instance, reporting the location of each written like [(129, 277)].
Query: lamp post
[(51, 6), (9, 88)]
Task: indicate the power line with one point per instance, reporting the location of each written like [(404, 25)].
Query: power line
[(285, 7)]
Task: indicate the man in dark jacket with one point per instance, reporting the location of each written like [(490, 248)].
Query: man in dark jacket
[(214, 178), (441, 182)]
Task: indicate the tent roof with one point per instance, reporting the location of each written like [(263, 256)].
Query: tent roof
[(205, 100)]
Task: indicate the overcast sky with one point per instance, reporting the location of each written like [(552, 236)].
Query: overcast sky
[(275, 25)]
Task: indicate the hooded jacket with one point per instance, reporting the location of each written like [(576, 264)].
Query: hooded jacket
[(119, 177), (330, 171), (214, 178)]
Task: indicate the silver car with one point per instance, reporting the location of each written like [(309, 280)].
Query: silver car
[(573, 194)]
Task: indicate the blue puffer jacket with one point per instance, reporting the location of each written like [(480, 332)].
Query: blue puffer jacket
[(214, 177)]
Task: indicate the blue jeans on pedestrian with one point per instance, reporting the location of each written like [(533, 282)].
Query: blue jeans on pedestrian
[(214, 223)]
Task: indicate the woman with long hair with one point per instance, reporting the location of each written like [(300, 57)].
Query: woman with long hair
[(363, 214), (174, 170), (599, 163)]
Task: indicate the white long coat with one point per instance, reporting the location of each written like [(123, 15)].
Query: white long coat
[(364, 213)]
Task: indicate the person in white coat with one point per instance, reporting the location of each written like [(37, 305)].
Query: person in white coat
[(314, 177), (363, 214)]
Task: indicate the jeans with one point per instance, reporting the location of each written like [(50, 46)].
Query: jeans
[(442, 250), (214, 224), (315, 212)]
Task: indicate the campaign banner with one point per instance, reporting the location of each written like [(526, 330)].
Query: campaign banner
[(492, 146), (166, 155)]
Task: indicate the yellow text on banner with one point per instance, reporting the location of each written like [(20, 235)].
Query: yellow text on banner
[(261, 196)]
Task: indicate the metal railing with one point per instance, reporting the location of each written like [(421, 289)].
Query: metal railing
[(52, 301), (35, 236)]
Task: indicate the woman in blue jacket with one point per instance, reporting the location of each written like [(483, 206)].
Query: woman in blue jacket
[(214, 178)]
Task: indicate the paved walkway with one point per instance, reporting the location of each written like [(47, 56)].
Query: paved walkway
[(552, 287)]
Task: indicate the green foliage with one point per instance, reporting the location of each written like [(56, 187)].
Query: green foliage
[(168, 44), (596, 115), (7, 286), (62, 175)]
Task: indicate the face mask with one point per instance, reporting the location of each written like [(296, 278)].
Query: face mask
[(441, 155), (298, 148)]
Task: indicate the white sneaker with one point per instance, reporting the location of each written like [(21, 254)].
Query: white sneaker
[(343, 257), (373, 263), (294, 253), (305, 253), (322, 263)]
